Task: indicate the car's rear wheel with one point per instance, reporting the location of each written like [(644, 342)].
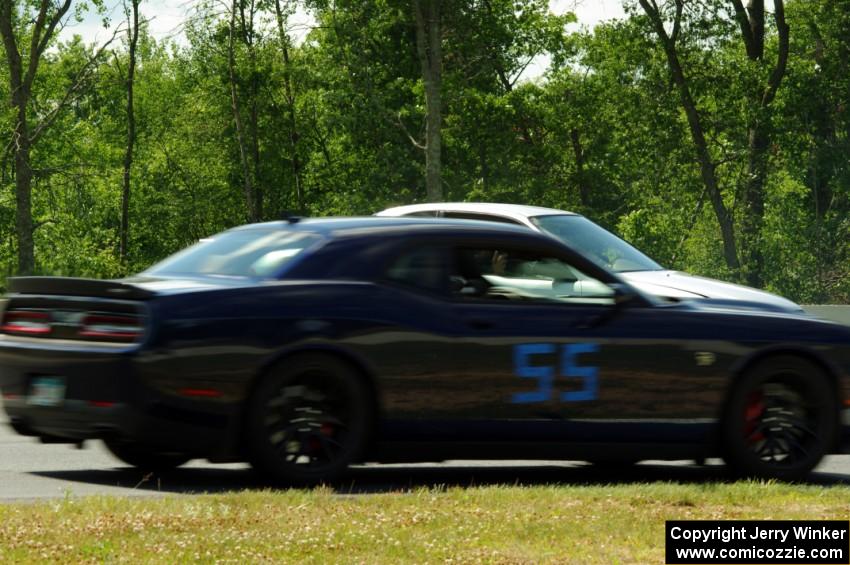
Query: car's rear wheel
[(145, 457), (780, 421), (307, 420)]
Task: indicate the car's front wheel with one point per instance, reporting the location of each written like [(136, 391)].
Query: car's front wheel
[(307, 420), (780, 421)]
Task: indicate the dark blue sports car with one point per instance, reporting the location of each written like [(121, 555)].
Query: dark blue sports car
[(305, 346)]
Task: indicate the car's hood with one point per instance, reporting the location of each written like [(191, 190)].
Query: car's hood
[(678, 285)]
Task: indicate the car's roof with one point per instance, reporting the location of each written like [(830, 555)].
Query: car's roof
[(347, 226), (516, 211)]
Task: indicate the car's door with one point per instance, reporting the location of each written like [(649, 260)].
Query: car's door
[(553, 355), (528, 347), (485, 339)]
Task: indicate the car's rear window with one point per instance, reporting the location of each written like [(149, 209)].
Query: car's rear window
[(260, 253)]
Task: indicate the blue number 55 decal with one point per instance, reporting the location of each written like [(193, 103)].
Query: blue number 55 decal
[(545, 374)]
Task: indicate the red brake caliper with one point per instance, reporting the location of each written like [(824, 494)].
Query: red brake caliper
[(326, 430), (752, 416)]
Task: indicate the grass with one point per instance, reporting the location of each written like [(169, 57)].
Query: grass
[(582, 524)]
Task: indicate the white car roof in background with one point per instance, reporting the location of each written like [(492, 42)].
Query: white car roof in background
[(515, 211)]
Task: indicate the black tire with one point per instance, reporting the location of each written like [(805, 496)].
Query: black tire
[(145, 457), (307, 420), (781, 419)]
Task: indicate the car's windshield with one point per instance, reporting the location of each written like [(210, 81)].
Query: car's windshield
[(596, 243), (242, 253)]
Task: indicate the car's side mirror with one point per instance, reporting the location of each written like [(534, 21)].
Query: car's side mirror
[(623, 293)]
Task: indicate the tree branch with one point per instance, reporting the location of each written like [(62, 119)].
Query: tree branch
[(11, 45), (746, 30), (35, 40), (407, 133), (41, 36), (83, 74), (651, 8), (677, 21), (51, 27), (782, 58), (118, 63), (522, 67)]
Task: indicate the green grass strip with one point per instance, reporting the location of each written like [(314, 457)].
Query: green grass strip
[(574, 524)]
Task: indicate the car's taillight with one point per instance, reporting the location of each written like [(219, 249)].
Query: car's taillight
[(111, 327), (26, 322)]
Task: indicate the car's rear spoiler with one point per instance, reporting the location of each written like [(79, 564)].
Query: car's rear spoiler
[(67, 286)]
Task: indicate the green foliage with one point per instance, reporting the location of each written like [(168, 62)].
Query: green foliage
[(340, 119)]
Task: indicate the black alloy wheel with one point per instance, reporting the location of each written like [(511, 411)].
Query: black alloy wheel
[(308, 420), (781, 420), (145, 457)]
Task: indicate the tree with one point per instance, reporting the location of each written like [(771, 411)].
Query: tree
[(253, 197), (133, 40), (742, 253), (13, 19), (752, 24), (39, 24), (695, 123), (281, 14), (810, 144), (429, 40)]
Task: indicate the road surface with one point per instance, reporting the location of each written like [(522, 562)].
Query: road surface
[(32, 471)]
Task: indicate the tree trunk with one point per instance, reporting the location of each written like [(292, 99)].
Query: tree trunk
[(289, 92), (707, 171), (247, 185), (259, 193), (751, 23), (753, 217), (248, 34), (21, 143), (583, 188), (23, 190), (429, 48), (131, 134), (485, 167), (39, 32)]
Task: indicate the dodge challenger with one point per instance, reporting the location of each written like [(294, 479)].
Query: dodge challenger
[(307, 345)]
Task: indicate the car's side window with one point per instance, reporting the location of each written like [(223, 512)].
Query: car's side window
[(421, 268), (491, 273)]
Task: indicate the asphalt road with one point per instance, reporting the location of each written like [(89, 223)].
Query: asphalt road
[(32, 471)]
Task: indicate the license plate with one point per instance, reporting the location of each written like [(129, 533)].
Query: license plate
[(47, 391)]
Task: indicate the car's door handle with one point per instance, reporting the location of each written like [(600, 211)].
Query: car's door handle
[(480, 323)]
